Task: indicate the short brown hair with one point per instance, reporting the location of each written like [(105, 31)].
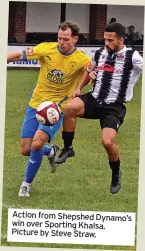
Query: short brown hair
[(69, 25)]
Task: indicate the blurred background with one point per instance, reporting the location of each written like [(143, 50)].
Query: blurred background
[(34, 22)]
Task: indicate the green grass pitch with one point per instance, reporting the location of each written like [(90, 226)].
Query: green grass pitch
[(83, 182)]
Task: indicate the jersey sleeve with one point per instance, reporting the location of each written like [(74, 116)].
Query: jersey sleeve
[(94, 61), (91, 66), (87, 62), (137, 61), (33, 53)]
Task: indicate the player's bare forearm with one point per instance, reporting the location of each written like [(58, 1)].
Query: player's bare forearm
[(84, 80), (14, 56)]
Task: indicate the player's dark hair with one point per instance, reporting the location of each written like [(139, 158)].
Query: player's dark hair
[(69, 25), (118, 28)]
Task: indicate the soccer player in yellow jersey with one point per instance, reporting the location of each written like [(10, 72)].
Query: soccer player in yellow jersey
[(62, 74)]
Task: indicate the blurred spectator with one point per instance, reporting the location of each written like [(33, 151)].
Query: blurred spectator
[(82, 39), (132, 36), (138, 35), (12, 39), (113, 19)]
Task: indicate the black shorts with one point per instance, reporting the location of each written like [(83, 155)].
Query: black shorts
[(110, 115)]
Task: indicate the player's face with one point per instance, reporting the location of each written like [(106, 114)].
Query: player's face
[(66, 41), (112, 41)]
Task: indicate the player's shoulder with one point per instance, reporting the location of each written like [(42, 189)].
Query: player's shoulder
[(133, 52), (81, 54), (137, 54), (100, 50), (129, 49)]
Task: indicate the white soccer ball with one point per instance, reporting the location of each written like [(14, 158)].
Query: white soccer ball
[(48, 113)]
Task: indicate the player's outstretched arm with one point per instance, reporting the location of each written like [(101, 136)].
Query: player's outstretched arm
[(92, 76), (14, 56), (84, 81)]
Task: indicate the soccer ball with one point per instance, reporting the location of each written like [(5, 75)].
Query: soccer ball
[(48, 113)]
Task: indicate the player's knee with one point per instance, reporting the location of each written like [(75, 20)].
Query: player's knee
[(107, 143), (72, 109), (37, 145), (25, 151)]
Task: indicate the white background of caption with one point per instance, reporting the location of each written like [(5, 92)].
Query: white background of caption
[(70, 227)]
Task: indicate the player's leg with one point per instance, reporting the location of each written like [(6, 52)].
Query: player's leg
[(36, 155), (43, 135), (38, 148), (77, 107), (29, 128), (108, 141), (51, 131), (25, 146), (110, 124)]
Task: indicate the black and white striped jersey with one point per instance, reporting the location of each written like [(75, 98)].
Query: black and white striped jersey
[(117, 74)]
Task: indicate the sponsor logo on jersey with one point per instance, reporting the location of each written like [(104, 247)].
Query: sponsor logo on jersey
[(108, 68), (55, 76)]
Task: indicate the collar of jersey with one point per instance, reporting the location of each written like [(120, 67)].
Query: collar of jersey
[(66, 54), (122, 50)]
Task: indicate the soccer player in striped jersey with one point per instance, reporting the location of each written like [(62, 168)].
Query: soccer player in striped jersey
[(61, 71), (116, 70)]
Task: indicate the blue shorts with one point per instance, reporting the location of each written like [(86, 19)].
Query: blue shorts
[(31, 125)]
